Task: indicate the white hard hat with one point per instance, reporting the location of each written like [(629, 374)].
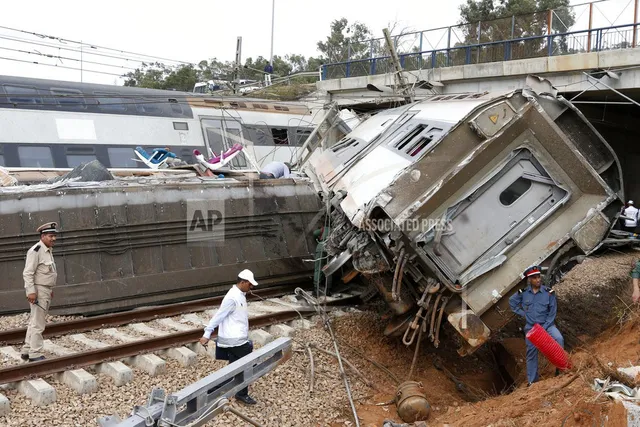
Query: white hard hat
[(248, 275), (630, 202)]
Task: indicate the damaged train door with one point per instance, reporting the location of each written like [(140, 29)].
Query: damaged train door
[(497, 213), (221, 135)]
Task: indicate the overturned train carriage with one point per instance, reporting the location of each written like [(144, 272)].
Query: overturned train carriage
[(125, 245), (442, 204)]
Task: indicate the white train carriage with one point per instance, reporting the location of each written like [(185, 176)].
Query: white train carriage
[(58, 124)]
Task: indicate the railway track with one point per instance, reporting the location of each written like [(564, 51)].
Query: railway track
[(16, 336), (141, 345)]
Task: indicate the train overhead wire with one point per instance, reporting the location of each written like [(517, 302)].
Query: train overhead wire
[(66, 58), (95, 46), (60, 66)]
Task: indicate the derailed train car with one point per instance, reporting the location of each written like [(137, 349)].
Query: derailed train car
[(148, 241), (442, 204)]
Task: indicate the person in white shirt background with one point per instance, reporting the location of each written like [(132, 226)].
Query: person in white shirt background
[(275, 170), (630, 214), (232, 321)]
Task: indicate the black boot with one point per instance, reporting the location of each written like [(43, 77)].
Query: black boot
[(246, 399)]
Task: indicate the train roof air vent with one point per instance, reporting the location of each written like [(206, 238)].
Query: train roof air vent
[(344, 144)]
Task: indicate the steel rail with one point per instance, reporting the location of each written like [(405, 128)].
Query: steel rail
[(16, 336), (32, 370)]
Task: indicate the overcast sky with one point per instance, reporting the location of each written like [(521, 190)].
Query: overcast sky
[(191, 30)]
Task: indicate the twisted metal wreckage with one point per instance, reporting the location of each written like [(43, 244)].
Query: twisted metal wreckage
[(442, 203)]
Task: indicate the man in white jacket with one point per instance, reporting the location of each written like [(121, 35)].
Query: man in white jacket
[(630, 214), (232, 321)]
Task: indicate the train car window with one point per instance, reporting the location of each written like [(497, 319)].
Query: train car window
[(214, 135), (47, 97), (239, 161), (69, 98), (110, 102), (258, 135), (34, 156), (23, 95), (301, 136), (181, 125), (514, 191), (74, 160), (121, 157), (148, 106), (280, 136), (186, 154), (176, 108), (79, 155)]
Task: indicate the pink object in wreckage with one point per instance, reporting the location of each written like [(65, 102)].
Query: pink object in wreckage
[(217, 159)]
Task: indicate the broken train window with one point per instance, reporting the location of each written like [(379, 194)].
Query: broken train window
[(280, 136), (514, 191)]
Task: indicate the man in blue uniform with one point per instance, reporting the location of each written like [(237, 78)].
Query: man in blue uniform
[(537, 304)]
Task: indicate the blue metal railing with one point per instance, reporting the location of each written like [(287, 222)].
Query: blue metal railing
[(593, 40)]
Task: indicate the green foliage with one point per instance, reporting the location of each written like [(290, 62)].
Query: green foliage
[(346, 41), (491, 20), (183, 78), (159, 76)]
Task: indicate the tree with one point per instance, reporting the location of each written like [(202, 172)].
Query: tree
[(157, 75), (490, 20), (346, 41)]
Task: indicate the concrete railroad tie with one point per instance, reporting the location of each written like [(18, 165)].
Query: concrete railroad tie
[(118, 371), (39, 391)]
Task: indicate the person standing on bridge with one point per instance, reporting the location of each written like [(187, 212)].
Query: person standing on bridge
[(537, 304), (39, 276), (268, 70), (232, 321)]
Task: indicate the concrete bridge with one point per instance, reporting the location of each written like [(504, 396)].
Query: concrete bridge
[(569, 73)]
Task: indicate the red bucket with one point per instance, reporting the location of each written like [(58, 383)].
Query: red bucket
[(549, 347)]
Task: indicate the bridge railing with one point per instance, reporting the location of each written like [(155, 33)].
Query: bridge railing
[(566, 43)]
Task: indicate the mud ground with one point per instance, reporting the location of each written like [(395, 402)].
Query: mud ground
[(598, 321)]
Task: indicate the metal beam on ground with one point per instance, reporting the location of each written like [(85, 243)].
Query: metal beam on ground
[(201, 401)]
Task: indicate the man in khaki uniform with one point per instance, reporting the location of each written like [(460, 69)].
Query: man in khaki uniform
[(39, 278)]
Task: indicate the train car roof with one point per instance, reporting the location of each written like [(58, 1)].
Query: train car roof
[(126, 90)]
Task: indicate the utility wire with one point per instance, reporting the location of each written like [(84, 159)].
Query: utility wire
[(65, 58), (60, 66), (84, 52), (93, 46)]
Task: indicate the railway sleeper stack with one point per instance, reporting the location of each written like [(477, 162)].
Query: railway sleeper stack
[(81, 381)]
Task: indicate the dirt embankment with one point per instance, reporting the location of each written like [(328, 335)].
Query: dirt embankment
[(593, 295), (597, 320)]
